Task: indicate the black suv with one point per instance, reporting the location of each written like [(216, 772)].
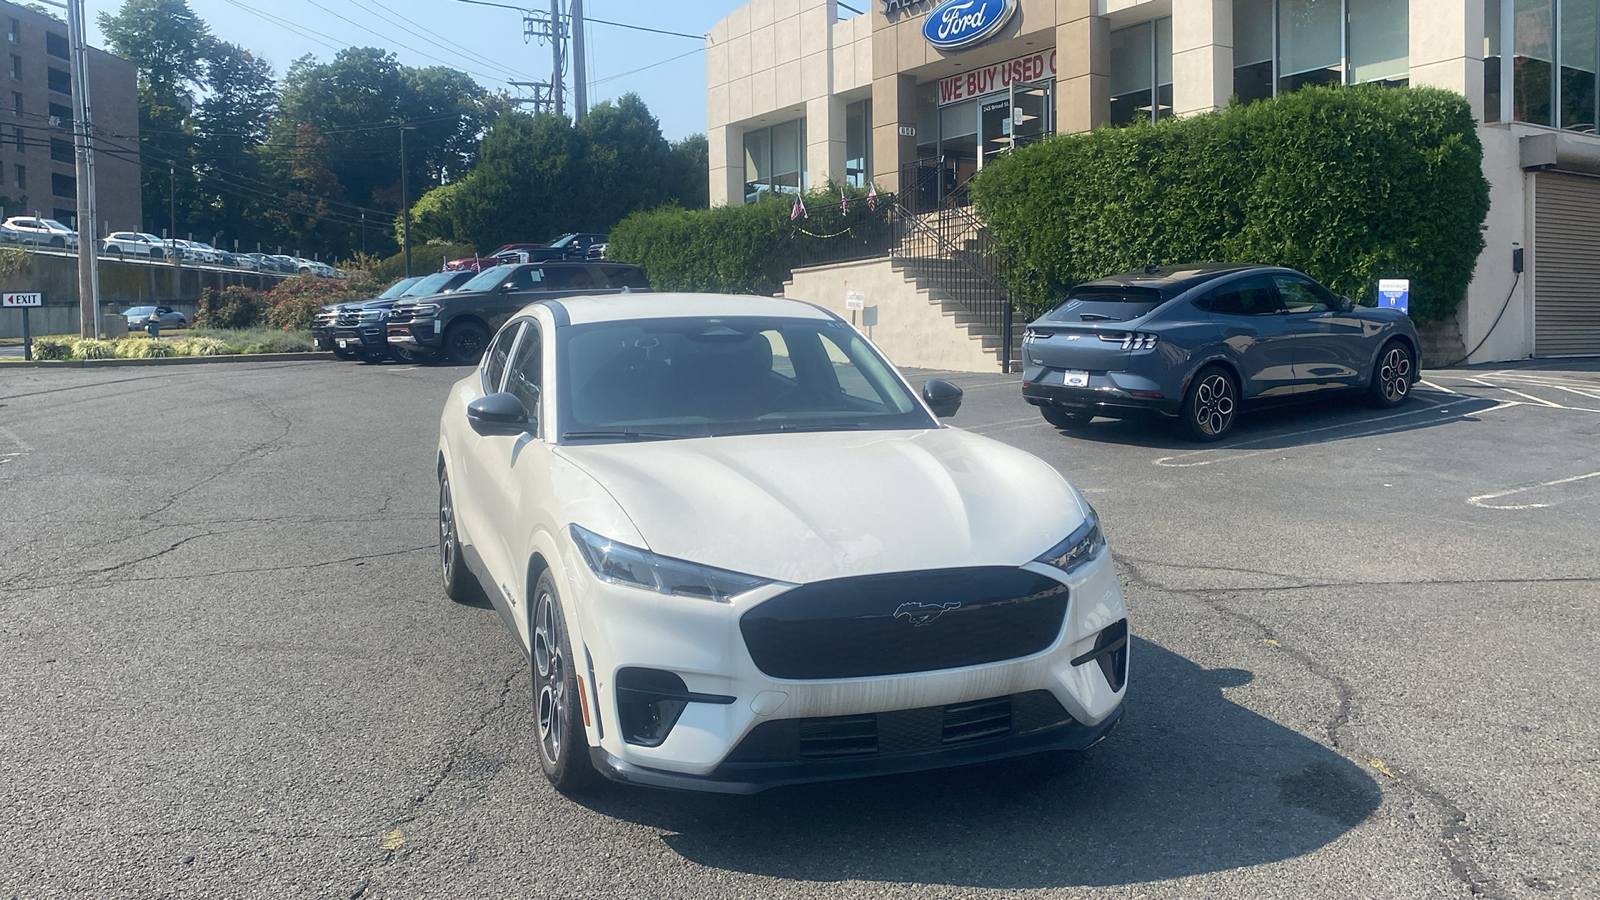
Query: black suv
[(457, 326), (358, 327), (324, 320)]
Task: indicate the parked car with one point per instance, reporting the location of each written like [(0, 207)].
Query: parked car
[(41, 232), (359, 327), (1198, 343), (470, 264), (133, 243), (568, 246), (196, 252), (324, 320), (740, 551), (456, 327), (285, 264), (598, 251), (166, 317)]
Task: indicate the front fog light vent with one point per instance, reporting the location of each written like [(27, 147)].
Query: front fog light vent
[(1111, 652), (649, 702)]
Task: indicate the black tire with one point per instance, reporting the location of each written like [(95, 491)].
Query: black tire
[(1211, 405), (406, 355), (58, 243), (563, 745), (343, 353), (117, 252), (1392, 376), (1066, 420), (460, 585), (373, 357), (464, 343)]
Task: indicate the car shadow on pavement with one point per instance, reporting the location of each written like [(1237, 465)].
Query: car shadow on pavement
[(1296, 425), (1191, 783)]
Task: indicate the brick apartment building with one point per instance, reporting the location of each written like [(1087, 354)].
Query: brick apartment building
[(36, 109)]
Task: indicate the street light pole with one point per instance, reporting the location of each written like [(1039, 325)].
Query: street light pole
[(405, 202), (172, 206), (88, 230)]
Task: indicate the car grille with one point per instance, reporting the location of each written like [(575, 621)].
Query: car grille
[(401, 315), (322, 319), (902, 732), (905, 622), (349, 318)]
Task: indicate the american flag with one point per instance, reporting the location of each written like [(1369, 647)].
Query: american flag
[(799, 210), (872, 197), (844, 202)]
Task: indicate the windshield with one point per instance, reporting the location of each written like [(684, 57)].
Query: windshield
[(695, 377), (488, 279), (140, 311), (430, 284), (398, 288), (53, 225)]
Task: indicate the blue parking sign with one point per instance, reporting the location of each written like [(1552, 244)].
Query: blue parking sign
[(1395, 293)]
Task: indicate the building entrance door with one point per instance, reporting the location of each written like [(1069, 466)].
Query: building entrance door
[(1015, 118)]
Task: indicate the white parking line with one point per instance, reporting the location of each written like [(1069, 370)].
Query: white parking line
[(1479, 500), (1179, 461)]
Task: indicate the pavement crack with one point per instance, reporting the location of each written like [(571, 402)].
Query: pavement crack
[(1455, 839), (74, 580)]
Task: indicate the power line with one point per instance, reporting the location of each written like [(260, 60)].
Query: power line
[(693, 37), (651, 66), (469, 52), (398, 43)]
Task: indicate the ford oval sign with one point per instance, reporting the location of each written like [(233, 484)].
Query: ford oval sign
[(954, 24)]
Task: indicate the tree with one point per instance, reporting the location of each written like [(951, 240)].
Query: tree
[(691, 171), (230, 127), (169, 44), (628, 164)]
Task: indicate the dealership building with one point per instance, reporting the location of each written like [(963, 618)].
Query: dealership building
[(918, 95)]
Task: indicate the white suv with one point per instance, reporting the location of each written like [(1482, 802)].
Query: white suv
[(133, 243), (45, 232)]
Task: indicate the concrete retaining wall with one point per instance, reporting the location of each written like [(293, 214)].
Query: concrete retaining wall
[(122, 284), (914, 330)]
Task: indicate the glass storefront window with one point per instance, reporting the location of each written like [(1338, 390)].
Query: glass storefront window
[(1310, 45), (1533, 59), (775, 160), (1282, 45), (1252, 49), (858, 143), (1380, 42), (1577, 35), (1491, 60), (1141, 72)]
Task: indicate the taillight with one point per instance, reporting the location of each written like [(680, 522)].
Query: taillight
[(1132, 340)]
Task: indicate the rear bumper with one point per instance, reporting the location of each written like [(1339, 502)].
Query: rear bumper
[(751, 777), (1105, 399)]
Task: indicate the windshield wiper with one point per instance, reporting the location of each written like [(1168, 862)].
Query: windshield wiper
[(1094, 317), (620, 435), (794, 427)]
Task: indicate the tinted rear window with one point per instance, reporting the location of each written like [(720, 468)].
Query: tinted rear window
[(627, 276), (1105, 302)]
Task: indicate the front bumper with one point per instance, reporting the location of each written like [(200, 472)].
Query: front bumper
[(367, 339), (421, 334), (758, 740)]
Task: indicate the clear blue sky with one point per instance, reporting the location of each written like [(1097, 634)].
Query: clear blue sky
[(487, 42)]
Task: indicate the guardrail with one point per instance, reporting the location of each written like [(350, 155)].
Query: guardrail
[(187, 263)]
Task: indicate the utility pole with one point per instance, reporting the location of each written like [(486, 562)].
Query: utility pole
[(88, 243), (405, 202), (172, 209), (580, 75), (556, 54)]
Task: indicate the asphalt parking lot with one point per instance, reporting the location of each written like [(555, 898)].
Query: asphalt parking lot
[(1364, 665)]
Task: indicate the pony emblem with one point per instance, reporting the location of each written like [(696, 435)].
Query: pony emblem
[(920, 614)]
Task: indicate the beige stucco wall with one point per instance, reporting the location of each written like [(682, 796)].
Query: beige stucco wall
[(911, 329)]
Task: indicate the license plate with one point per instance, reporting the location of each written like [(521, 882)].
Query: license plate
[(1075, 378), (341, 345)]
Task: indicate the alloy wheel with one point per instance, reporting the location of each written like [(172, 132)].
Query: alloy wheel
[(549, 676), (1394, 374), (447, 532), (1214, 404)]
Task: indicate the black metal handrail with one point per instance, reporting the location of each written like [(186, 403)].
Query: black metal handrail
[(955, 254)]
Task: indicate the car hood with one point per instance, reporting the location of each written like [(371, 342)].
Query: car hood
[(806, 507)]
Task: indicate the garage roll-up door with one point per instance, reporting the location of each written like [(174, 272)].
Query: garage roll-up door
[(1566, 265)]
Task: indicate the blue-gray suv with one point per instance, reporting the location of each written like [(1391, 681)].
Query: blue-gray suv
[(1198, 342)]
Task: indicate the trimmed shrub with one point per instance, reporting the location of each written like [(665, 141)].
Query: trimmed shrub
[(200, 346), (1348, 185), (235, 306), (91, 348), (145, 348), (295, 300), (751, 248), (52, 348)]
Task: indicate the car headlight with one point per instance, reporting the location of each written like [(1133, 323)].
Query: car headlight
[(1082, 545), (621, 564), (422, 310), (373, 316)]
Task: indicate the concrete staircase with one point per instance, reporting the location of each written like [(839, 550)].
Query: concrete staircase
[(958, 303)]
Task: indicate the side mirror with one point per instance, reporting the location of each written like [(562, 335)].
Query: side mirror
[(942, 397), (500, 414), (1346, 304), (507, 288)]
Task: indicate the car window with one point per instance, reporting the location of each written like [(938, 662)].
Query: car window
[(494, 362), (526, 278), (568, 278), (782, 364), (852, 381), (1301, 295), (631, 277), (524, 376), (1249, 296)]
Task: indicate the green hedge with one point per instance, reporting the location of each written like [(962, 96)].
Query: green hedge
[(1348, 185), (749, 248)]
